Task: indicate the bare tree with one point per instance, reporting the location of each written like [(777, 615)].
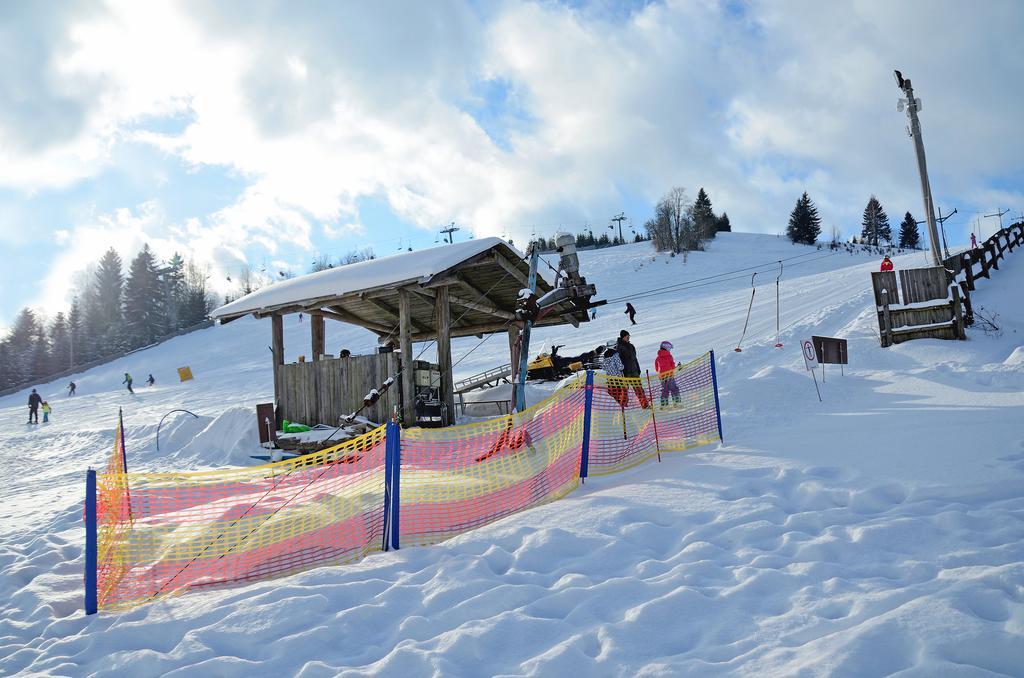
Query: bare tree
[(673, 228)]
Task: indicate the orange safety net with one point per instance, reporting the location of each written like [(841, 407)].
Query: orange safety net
[(201, 529), (163, 533), (635, 419), (458, 478)]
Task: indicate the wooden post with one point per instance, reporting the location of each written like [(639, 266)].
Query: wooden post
[(958, 316), (513, 354), (991, 247), (887, 321), (444, 351), (968, 309), (969, 271), (405, 344), (316, 332), (277, 347)]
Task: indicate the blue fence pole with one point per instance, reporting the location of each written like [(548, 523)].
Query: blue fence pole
[(90, 542), (718, 408), (588, 406), (395, 440), (387, 485)]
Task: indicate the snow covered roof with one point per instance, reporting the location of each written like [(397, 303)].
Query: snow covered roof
[(485, 276), (362, 276)]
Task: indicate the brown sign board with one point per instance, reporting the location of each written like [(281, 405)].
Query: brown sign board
[(266, 423), (830, 350)]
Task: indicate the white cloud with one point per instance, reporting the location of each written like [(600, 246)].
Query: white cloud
[(315, 107)]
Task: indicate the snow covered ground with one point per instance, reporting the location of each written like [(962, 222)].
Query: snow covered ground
[(878, 532)]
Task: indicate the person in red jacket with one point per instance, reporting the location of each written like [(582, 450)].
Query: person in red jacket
[(665, 366), (886, 263)]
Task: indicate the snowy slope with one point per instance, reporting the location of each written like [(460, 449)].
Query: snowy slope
[(880, 531)]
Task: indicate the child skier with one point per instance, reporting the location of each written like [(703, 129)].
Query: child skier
[(665, 366), (46, 411), (151, 380)]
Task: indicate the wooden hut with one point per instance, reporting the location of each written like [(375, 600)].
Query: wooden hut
[(462, 289)]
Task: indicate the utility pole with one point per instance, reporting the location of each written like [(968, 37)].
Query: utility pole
[(620, 218), (999, 213), (913, 106), (942, 225), (448, 230)]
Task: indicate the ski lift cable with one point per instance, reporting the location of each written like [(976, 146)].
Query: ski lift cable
[(676, 286)]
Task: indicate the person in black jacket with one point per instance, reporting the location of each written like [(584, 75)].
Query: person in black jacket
[(630, 365), (631, 312), (34, 400)]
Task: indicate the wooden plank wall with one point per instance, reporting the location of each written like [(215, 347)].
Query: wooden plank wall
[(923, 284), (320, 392)]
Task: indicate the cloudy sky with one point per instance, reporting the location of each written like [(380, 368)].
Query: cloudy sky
[(262, 133)]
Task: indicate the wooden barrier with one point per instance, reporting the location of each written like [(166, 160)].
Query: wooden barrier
[(321, 391)]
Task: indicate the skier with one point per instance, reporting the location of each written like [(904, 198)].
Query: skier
[(34, 401), (974, 242), (631, 312), (71, 389), (630, 365), (151, 380), (886, 263), (128, 381), (46, 412), (665, 366), (593, 314)]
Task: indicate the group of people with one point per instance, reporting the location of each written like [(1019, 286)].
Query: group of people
[(128, 381), (621, 361), (35, 404)]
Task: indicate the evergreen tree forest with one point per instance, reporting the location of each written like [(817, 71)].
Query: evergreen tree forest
[(804, 223), (112, 310)]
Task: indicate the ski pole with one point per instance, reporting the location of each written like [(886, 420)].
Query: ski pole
[(753, 291)]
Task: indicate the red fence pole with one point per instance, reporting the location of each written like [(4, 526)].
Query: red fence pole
[(654, 422)]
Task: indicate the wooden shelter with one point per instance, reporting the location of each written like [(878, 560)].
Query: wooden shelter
[(456, 290)]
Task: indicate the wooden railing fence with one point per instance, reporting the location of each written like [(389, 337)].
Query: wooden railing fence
[(901, 302)]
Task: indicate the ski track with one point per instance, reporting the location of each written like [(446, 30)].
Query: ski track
[(879, 532)]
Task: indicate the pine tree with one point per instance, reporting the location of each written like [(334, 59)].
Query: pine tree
[(173, 279), (804, 222), (875, 227), (60, 344), (143, 301), (703, 216), (104, 317), (723, 224), (196, 305), (6, 365), (23, 343), (76, 333), (909, 235)]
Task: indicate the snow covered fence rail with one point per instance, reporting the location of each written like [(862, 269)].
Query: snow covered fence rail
[(150, 535), (986, 257)]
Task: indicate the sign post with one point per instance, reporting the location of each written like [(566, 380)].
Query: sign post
[(810, 362)]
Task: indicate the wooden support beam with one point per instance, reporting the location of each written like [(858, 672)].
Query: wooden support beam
[(405, 346), (481, 306), (444, 351), (477, 292), (316, 333), (340, 314), (390, 311), (512, 269), (277, 349)]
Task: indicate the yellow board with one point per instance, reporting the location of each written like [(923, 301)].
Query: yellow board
[(185, 373)]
